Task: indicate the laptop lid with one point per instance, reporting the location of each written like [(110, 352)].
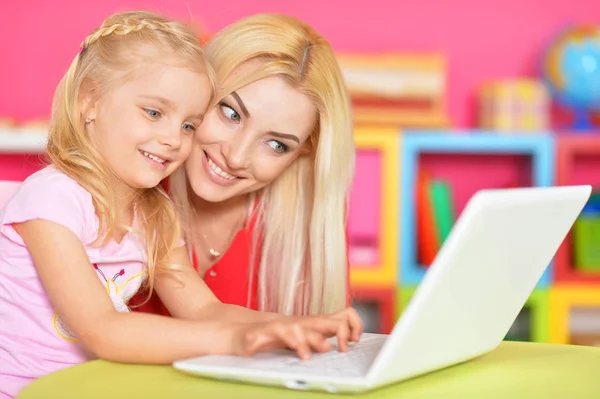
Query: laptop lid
[(481, 278)]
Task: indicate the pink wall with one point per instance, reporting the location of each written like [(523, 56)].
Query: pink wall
[(18, 166), (482, 38), (365, 209)]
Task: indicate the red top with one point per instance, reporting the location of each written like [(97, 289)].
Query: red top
[(228, 279)]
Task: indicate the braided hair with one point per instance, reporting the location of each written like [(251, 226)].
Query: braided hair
[(107, 56)]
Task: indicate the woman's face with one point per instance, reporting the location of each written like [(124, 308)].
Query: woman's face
[(249, 138)]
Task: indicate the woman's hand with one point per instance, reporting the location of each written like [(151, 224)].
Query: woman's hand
[(302, 334)]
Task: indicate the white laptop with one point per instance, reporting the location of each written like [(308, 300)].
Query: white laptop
[(469, 298)]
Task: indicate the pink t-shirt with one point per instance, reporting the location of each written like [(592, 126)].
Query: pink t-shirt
[(33, 340)]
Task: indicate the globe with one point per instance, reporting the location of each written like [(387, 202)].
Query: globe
[(571, 69)]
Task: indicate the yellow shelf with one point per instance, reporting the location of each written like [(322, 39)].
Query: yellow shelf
[(562, 299), (387, 141)]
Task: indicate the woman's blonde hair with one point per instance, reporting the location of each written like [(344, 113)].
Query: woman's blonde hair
[(299, 236), (107, 57)]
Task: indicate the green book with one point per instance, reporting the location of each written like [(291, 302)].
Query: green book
[(443, 208), (586, 243)]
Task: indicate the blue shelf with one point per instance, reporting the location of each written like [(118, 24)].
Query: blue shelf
[(540, 146)]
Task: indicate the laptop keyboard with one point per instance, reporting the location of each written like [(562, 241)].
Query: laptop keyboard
[(355, 362)]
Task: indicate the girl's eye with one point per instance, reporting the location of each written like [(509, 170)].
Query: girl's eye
[(188, 127), (230, 113), (152, 113), (278, 146)]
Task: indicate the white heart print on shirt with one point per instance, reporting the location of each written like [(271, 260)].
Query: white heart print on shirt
[(119, 294)]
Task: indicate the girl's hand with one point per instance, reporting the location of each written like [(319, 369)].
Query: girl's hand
[(301, 334), (349, 330), (355, 327)]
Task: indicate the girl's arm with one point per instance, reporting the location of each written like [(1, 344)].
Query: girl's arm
[(186, 296), (78, 296)]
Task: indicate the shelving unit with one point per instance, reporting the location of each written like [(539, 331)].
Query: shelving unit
[(534, 316), (20, 152), (470, 161), (563, 299), (376, 234), (377, 308), (578, 162), (22, 142)]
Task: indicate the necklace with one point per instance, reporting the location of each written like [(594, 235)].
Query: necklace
[(215, 253)]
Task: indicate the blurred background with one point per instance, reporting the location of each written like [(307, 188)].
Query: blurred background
[(450, 96)]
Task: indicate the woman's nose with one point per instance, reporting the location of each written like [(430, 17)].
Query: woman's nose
[(236, 154)]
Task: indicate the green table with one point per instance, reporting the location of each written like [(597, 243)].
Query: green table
[(514, 370)]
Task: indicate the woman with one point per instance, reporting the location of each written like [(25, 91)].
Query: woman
[(264, 191)]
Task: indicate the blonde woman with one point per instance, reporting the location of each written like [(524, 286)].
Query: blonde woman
[(264, 189), (81, 236)]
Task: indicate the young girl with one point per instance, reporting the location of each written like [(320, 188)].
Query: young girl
[(81, 236)]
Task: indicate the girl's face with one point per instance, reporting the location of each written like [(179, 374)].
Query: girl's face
[(144, 127), (249, 138)]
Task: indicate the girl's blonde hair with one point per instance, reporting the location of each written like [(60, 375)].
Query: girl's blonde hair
[(299, 239), (107, 57)]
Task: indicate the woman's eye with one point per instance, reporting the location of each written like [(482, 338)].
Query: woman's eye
[(152, 113), (188, 127), (230, 113), (278, 146)]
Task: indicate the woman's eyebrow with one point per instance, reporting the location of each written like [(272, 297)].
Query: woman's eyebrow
[(286, 136), (238, 100)]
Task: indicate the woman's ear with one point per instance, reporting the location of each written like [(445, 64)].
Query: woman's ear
[(306, 148), (310, 145)]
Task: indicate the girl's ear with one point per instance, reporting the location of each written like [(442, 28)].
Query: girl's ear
[(88, 102)]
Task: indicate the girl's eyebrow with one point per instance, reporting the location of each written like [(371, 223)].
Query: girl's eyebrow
[(166, 102)]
